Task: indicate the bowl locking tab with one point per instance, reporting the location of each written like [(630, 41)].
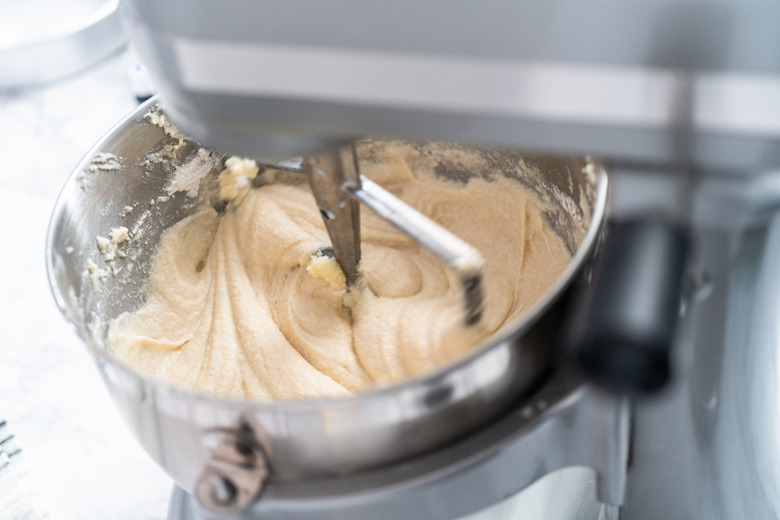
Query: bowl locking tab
[(236, 472)]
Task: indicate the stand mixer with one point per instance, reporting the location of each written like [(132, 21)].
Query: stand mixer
[(680, 100)]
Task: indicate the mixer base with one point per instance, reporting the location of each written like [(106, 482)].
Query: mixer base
[(542, 500), (567, 437)]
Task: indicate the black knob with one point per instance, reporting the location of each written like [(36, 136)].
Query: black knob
[(623, 324)]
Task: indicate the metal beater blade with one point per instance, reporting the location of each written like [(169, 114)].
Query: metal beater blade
[(463, 259), (327, 173), (338, 186)]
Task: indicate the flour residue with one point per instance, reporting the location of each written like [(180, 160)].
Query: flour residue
[(187, 177)]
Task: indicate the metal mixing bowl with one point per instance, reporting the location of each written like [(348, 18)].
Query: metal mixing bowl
[(305, 438)]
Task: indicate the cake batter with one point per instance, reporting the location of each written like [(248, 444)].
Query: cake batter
[(240, 305)]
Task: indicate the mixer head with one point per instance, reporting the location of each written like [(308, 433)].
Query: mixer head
[(661, 83)]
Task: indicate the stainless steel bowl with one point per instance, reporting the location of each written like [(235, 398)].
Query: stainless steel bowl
[(306, 438)]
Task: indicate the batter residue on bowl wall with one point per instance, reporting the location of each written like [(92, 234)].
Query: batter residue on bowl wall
[(239, 305)]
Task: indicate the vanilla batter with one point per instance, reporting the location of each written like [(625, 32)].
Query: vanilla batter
[(239, 304)]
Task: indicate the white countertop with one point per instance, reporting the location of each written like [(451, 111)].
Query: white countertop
[(85, 461)]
